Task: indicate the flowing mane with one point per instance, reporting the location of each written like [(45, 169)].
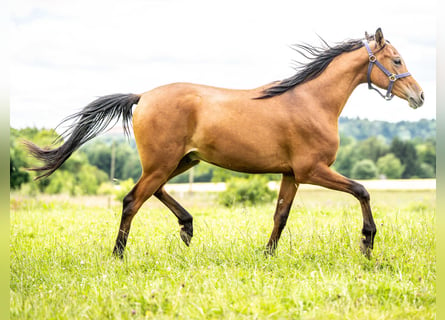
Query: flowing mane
[(320, 58)]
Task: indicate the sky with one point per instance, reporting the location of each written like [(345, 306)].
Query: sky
[(66, 53)]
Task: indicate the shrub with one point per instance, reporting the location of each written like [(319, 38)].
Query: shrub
[(62, 181), (390, 166), (426, 171), (123, 189), (106, 189), (364, 169), (247, 191)]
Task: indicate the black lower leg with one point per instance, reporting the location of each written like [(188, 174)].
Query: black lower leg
[(369, 229), (185, 219), (368, 233), (119, 247), (286, 196), (124, 228), (186, 232)]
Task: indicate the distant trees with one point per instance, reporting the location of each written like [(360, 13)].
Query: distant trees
[(398, 150), (390, 166), (362, 129), (127, 165), (76, 176), (360, 156), (364, 169), (399, 159)]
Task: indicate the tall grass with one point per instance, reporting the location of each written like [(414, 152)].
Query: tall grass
[(62, 268)]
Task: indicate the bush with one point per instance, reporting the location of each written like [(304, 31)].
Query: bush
[(62, 181), (426, 171), (123, 189), (247, 191), (390, 166), (364, 169), (106, 189)]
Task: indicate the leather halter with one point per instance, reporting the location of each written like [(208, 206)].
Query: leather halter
[(391, 76)]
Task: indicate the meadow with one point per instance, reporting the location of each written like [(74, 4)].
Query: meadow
[(61, 265)]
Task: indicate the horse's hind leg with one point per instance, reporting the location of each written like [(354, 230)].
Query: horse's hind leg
[(144, 188), (184, 218), (286, 196)]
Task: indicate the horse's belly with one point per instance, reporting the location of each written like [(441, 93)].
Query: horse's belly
[(244, 155)]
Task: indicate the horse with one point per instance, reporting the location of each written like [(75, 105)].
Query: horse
[(289, 127)]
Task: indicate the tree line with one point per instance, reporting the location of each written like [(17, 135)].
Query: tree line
[(112, 158)]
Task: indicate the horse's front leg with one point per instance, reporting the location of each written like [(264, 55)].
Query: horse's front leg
[(286, 196), (323, 176)]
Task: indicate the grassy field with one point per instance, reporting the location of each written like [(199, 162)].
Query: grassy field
[(61, 264)]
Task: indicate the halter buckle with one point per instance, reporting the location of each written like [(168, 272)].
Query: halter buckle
[(392, 77), (372, 58)]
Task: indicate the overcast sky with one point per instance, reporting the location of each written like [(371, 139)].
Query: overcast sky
[(66, 53)]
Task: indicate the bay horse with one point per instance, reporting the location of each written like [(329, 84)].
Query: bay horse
[(288, 127)]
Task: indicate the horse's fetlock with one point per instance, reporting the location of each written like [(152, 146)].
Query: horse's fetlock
[(369, 232)]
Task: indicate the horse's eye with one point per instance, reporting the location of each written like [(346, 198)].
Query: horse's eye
[(397, 62)]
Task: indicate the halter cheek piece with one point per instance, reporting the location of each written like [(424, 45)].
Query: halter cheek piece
[(391, 76)]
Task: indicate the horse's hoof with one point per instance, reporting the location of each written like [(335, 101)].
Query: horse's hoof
[(365, 249), (185, 237), (118, 253), (270, 251)]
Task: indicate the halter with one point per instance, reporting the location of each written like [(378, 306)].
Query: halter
[(391, 76)]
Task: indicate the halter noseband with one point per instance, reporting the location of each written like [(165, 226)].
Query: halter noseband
[(391, 76)]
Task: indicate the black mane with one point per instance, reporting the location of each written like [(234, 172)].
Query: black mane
[(319, 57)]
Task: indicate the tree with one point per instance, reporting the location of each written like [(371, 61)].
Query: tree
[(364, 169), (75, 176), (16, 175), (18, 157), (346, 158), (99, 155), (372, 148), (17, 160), (406, 152), (390, 166), (127, 164), (427, 153)]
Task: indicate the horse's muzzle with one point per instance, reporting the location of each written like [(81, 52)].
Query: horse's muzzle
[(416, 101)]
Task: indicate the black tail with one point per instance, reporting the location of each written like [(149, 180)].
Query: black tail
[(91, 120)]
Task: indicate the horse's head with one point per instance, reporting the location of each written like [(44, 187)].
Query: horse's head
[(392, 73)]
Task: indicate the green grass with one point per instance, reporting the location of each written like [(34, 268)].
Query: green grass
[(61, 264)]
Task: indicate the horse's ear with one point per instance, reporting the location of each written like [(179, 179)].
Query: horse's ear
[(379, 37)]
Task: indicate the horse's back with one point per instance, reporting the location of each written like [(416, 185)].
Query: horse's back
[(222, 126)]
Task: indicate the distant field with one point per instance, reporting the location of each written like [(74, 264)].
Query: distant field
[(61, 264), (402, 184)]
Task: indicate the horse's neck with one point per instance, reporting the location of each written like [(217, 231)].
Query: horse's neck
[(332, 89)]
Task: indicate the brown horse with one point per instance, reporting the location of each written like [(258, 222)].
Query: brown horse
[(288, 127)]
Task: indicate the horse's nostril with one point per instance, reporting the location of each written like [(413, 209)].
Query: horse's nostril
[(422, 96)]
